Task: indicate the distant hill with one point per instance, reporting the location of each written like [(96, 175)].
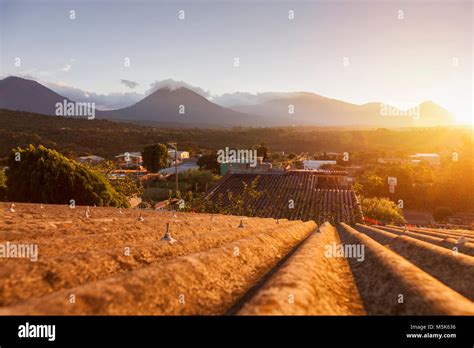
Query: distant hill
[(313, 109), (27, 95), (162, 108), (105, 138), (159, 108)]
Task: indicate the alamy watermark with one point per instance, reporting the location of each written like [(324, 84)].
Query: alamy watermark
[(13, 250), (69, 108), (237, 156), (404, 109), (28, 330), (355, 251)]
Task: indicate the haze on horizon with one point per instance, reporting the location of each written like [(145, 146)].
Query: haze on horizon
[(397, 52)]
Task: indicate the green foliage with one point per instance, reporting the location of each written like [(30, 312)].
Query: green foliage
[(262, 151), (3, 185), (372, 185), (440, 214), (127, 186), (107, 139), (209, 162), (197, 177), (155, 157), (234, 204), (381, 209), (426, 187), (43, 175), (421, 187)]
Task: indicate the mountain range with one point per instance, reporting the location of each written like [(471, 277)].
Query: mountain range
[(183, 107)]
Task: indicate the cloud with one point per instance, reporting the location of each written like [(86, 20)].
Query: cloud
[(107, 101), (243, 98), (66, 68), (129, 84), (112, 101), (173, 85)]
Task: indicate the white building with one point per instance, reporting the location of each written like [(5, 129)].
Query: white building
[(91, 159), (130, 159), (430, 158), (316, 164), (181, 168), (180, 156)]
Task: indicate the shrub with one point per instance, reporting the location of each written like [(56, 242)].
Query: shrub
[(3, 186), (44, 175), (209, 162), (155, 157), (381, 209), (197, 177), (440, 214)]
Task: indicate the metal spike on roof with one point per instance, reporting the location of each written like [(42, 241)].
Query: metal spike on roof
[(11, 209), (461, 241), (167, 237)]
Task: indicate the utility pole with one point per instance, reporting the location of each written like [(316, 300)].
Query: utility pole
[(175, 146)]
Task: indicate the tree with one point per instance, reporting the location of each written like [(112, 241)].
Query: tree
[(441, 214), (262, 151), (292, 155), (155, 157), (209, 162), (38, 174), (127, 186), (197, 178), (3, 185), (372, 185), (381, 209)]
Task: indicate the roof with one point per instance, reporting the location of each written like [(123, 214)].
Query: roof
[(120, 262), (131, 154), (92, 158), (319, 161), (277, 190), (89, 256), (425, 155), (319, 171)]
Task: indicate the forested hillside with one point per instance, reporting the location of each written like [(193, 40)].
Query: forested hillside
[(105, 138)]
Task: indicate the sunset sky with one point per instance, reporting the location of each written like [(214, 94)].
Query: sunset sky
[(426, 55)]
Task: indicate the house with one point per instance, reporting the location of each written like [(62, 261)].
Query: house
[(184, 167), (90, 159), (122, 173), (129, 159), (316, 164), (180, 156), (246, 167), (429, 158), (392, 160)]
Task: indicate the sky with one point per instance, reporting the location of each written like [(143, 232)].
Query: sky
[(396, 52)]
